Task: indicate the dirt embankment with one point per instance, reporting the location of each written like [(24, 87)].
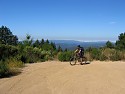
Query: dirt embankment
[(60, 78)]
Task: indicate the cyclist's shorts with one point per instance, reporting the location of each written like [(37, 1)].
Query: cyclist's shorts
[(81, 55)]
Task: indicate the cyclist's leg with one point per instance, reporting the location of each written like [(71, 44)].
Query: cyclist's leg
[(81, 58)]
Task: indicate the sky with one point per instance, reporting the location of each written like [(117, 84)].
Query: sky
[(83, 20)]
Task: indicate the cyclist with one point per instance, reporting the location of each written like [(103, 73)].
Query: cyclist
[(79, 52)]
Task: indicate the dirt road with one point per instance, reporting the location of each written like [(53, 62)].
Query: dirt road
[(60, 78)]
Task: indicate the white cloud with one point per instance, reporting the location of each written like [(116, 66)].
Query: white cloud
[(112, 22)]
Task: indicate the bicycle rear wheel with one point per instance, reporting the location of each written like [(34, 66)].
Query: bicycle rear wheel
[(84, 60), (72, 61)]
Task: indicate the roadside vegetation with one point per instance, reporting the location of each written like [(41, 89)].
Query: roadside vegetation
[(110, 52), (14, 54)]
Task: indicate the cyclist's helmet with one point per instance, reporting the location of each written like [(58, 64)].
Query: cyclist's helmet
[(78, 46)]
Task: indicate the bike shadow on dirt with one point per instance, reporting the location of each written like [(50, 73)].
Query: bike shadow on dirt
[(87, 63)]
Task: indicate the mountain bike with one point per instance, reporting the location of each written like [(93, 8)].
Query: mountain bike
[(74, 59)]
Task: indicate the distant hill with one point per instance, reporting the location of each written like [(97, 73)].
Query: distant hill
[(71, 44)]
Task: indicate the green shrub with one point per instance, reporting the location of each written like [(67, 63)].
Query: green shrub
[(32, 55), (95, 53), (29, 55), (7, 51), (115, 56), (88, 56), (14, 63), (10, 67), (122, 55), (61, 56), (64, 56), (112, 54), (4, 70), (103, 57), (107, 52)]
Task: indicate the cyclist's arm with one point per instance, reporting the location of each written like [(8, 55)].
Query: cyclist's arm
[(79, 51), (76, 51)]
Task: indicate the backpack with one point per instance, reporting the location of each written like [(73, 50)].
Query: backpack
[(81, 49)]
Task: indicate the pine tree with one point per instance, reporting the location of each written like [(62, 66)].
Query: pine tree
[(109, 44), (59, 49), (53, 45), (47, 41), (120, 43), (6, 36), (36, 44), (28, 41)]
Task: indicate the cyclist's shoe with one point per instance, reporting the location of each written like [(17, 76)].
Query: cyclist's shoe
[(81, 63)]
